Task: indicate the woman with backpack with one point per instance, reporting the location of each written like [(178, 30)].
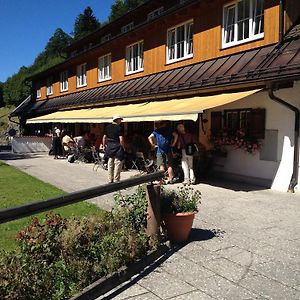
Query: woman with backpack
[(186, 142)]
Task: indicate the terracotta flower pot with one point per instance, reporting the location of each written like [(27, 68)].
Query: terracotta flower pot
[(179, 225)]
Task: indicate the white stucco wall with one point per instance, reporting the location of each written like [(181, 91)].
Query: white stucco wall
[(278, 117)]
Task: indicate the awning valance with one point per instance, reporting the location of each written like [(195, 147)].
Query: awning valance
[(173, 110)]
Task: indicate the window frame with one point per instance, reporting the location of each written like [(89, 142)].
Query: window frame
[(128, 27), (140, 68), (64, 79), (239, 119), (252, 35), (49, 86), (109, 67), (38, 91), (186, 25), (78, 76), (155, 13)]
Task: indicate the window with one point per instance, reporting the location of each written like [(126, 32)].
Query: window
[(180, 42), (243, 21), (38, 91), (250, 121), (104, 67), (127, 27), (64, 81), (81, 75), (105, 38), (237, 119), (155, 13), (49, 90), (135, 58)]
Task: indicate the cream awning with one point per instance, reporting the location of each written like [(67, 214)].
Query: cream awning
[(173, 110)]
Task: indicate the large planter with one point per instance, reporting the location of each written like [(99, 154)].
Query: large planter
[(179, 225)]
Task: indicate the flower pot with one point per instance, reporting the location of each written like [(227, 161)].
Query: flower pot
[(179, 225)]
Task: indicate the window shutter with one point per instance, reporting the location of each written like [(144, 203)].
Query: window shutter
[(258, 123), (216, 122)]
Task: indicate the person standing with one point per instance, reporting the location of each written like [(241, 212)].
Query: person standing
[(163, 139), (113, 140), (186, 140), (56, 142)]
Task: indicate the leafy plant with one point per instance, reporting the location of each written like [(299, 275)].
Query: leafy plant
[(58, 257), (184, 199)]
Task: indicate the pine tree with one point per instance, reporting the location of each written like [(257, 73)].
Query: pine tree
[(120, 7), (1, 94), (57, 43), (85, 23)]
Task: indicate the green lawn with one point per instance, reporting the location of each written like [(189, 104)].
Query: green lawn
[(18, 188)]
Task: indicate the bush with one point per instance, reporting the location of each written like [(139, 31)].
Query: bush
[(181, 200), (59, 257)]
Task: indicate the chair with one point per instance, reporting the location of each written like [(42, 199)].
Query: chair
[(142, 164), (97, 160)]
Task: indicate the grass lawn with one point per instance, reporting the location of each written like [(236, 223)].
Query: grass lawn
[(17, 187)]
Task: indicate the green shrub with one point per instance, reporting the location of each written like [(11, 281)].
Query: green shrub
[(59, 257)]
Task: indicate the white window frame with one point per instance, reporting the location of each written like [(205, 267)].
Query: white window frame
[(104, 67), (127, 27), (49, 87), (81, 76), (155, 13), (132, 61), (38, 91), (252, 35), (64, 81), (105, 38), (187, 42)]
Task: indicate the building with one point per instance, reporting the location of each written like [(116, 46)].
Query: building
[(230, 67)]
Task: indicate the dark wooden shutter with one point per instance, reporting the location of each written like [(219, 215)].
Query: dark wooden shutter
[(258, 123), (216, 122)]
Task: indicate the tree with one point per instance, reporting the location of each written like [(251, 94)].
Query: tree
[(120, 7), (85, 23), (14, 89), (1, 94), (57, 43)]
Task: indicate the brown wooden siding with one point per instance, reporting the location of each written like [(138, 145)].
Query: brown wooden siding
[(207, 44)]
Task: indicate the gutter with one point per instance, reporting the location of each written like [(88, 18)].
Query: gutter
[(294, 179)]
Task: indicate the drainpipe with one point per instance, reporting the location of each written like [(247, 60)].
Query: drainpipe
[(294, 179), (281, 21)]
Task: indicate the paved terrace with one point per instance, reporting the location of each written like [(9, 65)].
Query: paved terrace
[(245, 243)]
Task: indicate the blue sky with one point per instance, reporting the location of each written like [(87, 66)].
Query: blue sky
[(27, 25)]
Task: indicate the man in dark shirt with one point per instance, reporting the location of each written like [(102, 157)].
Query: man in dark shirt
[(113, 140)]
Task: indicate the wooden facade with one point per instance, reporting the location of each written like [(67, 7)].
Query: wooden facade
[(207, 44)]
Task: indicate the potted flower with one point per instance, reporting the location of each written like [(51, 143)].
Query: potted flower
[(178, 211)]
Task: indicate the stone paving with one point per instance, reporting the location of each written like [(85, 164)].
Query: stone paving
[(244, 245)]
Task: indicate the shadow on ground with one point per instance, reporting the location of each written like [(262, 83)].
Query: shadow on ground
[(17, 156), (236, 186), (195, 235)]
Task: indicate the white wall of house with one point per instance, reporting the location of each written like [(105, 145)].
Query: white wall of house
[(240, 164)]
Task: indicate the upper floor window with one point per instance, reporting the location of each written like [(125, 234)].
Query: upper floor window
[(155, 13), (135, 58), (49, 87), (127, 27), (81, 75), (104, 65), (180, 42), (105, 38), (38, 91), (64, 85), (243, 21)]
